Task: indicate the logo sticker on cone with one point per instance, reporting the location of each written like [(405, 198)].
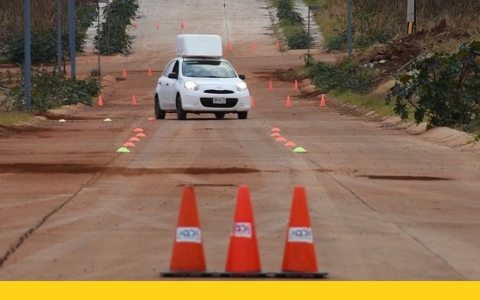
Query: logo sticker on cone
[(243, 255), (299, 254), (188, 255)]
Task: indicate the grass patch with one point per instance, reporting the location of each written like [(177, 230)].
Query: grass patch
[(8, 119), (374, 102)]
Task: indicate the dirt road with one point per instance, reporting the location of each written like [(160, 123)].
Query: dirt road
[(384, 204)]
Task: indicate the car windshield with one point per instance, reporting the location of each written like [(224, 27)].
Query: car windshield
[(207, 68)]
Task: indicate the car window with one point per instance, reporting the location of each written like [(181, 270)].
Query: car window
[(175, 67), (207, 68), (168, 68)]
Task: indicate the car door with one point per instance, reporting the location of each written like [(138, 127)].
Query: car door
[(171, 88), (164, 87)]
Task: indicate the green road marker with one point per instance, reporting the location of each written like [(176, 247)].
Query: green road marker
[(123, 150), (299, 150)]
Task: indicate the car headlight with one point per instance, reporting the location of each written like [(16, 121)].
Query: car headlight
[(241, 86), (191, 86)]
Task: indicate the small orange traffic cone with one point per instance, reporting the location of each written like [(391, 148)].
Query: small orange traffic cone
[(280, 139), (243, 255), (322, 101), (270, 86), (134, 100), (276, 129), (124, 74), (276, 134), (100, 101), (149, 72), (187, 254), (295, 87), (252, 103), (182, 25), (288, 103), (299, 254)]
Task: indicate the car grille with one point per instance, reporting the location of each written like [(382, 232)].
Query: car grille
[(208, 102), (219, 92)]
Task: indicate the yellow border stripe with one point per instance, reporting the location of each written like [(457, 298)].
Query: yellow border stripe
[(244, 290)]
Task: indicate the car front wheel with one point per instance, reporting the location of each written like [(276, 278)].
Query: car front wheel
[(181, 114), (242, 115), (159, 113), (220, 115)]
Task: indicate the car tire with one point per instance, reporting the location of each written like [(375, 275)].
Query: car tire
[(242, 115), (159, 113), (220, 115), (181, 114)]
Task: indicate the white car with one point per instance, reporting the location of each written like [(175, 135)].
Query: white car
[(201, 85)]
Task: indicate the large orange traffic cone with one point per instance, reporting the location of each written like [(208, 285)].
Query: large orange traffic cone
[(322, 101), (149, 72), (188, 252), (270, 86), (252, 103), (134, 100), (278, 45), (100, 101), (288, 103), (229, 47), (182, 25), (295, 86), (158, 26), (243, 255), (124, 74), (299, 254), (252, 46)]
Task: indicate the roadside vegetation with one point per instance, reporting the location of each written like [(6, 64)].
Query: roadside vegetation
[(49, 88), (430, 76)]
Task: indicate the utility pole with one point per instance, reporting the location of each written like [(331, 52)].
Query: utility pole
[(308, 30), (59, 36), (349, 27), (71, 35), (411, 16), (28, 58)]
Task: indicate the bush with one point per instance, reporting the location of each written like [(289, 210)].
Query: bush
[(51, 90), (299, 40), (112, 37), (443, 88), (345, 77), (339, 42)]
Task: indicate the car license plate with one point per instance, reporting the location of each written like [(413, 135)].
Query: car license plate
[(219, 100)]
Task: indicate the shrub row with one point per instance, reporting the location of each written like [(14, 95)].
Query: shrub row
[(44, 42), (49, 90)]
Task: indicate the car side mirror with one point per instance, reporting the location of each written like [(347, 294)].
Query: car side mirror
[(241, 76), (173, 76)]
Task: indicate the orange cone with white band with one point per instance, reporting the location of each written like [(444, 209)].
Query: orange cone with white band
[(299, 255), (188, 252), (243, 255)]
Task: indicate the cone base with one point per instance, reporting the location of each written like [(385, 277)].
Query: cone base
[(246, 274)]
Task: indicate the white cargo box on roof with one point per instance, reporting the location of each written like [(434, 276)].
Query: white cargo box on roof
[(206, 45)]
